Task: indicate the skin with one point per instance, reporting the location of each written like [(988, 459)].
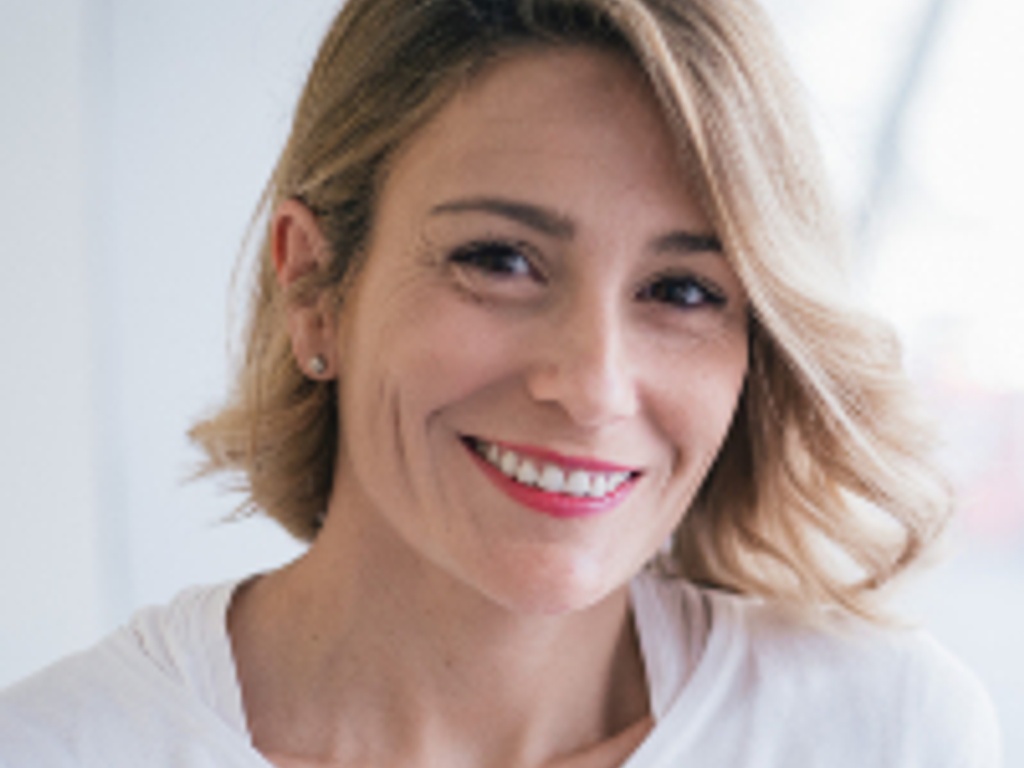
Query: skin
[(436, 620)]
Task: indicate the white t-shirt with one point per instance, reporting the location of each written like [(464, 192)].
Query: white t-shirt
[(734, 683)]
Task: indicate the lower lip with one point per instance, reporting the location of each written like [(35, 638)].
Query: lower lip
[(553, 504)]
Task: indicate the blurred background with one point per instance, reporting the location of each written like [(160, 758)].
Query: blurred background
[(136, 137)]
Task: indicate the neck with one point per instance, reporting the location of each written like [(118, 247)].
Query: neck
[(341, 660)]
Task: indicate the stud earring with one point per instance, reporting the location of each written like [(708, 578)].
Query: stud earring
[(317, 365)]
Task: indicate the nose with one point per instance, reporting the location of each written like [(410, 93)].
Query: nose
[(583, 365)]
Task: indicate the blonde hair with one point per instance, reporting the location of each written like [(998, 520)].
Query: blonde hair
[(823, 492)]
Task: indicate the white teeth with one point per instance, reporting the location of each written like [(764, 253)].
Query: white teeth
[(508, 464), (527, 473), (549, 477), (578, 484), (552, 479)]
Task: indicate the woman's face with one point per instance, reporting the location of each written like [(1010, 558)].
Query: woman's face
[(545, 349)]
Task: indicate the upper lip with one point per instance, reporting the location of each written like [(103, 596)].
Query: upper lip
[(546, 455)]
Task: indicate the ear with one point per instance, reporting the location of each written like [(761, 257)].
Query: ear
[(299, 249)]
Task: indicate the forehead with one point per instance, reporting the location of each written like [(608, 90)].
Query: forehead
[(546, 122)]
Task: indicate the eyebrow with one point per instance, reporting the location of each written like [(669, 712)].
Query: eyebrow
[(542, 219), (557, 225), (688, 242)]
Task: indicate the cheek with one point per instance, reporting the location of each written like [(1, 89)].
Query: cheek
[(404, 363), (423, 351), (453, 354), (698, 393)]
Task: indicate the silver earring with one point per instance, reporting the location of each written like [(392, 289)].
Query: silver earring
[(318, 365)]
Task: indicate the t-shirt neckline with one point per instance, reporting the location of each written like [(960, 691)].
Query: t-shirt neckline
[(677, 708)]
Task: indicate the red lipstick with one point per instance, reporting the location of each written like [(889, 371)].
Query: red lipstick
[(560, 505)]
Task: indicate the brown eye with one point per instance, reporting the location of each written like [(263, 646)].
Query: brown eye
[(494, 258), (682, 292)]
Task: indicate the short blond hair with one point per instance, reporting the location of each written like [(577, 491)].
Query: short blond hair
[(824, 491)]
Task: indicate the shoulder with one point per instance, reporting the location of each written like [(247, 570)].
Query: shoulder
[(39, 715), (882, 689), (114, 703), (777, 688)]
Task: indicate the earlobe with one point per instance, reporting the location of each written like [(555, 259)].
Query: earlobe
[(299, 249)]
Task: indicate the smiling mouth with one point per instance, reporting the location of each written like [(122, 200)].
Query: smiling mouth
[(569, 480)]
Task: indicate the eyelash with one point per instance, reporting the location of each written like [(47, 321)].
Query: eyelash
[(484, 256), (679, 291), (493, 257)]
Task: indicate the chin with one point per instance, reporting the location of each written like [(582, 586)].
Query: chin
[(546, 585)]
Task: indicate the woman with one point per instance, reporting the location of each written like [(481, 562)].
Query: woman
[(549, 361)]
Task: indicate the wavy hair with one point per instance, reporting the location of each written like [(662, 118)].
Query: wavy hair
[(824, 491)]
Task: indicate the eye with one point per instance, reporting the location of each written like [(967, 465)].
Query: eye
[(497, 258), (683, 292)]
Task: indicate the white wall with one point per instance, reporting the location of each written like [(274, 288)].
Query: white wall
[(49, 517), (135, 138)]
